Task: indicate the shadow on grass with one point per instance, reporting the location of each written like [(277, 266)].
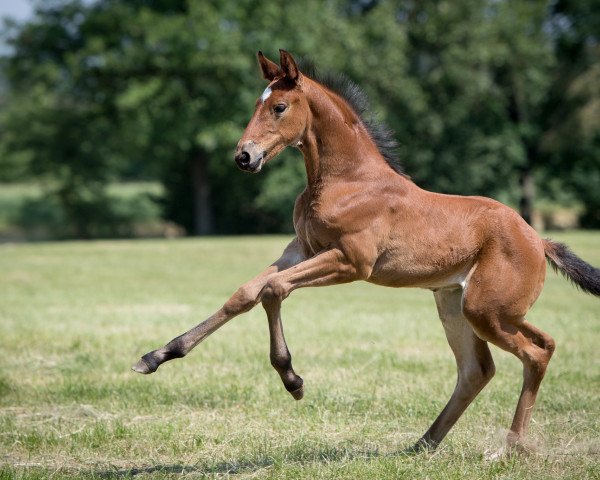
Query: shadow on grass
[(325, 456)]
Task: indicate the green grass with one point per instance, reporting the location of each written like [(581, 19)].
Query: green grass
[(377, 370)]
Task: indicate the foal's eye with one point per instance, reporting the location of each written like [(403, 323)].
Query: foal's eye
[(279, 108)]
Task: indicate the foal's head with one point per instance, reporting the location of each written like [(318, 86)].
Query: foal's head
[(280, 117)]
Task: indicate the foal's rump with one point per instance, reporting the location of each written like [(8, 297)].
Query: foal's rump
[(508, 267), (519, 244)]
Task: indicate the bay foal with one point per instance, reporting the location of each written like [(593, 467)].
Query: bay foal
[(359, 218)]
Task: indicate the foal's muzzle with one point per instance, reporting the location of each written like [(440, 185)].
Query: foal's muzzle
[(243, 160), (249, 157)]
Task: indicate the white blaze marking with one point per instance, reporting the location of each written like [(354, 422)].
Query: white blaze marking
[(266, 94)]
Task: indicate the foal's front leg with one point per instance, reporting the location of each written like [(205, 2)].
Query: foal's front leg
[(243, 300), (280, 355), (272, 287), (327, 268)]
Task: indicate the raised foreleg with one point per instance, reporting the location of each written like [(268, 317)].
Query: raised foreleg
[(281, 358), (329, 267), (243, 300)]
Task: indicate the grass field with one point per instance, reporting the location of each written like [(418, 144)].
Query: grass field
[(75, 316)]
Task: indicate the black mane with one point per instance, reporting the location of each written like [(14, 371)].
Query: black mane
[(380, 133)]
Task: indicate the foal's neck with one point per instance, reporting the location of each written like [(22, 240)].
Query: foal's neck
[(336, 143)]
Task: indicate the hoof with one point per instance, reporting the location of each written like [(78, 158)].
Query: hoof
[(496, 456), (298, 393), (145, 365), (421, 446), (508, 451)]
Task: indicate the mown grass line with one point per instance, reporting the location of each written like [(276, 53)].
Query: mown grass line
[(75, 316)]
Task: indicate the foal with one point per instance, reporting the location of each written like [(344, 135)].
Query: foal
[(359, 218)]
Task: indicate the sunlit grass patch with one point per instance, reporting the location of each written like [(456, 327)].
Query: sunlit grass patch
[(75, 316)]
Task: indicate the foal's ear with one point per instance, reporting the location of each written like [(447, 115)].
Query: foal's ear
[(289, 67), (268, 68)]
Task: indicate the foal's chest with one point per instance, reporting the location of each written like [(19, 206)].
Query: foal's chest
[(315, 225)]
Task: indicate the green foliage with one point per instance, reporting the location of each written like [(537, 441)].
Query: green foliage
[(121, 210), (479, 93), (280, 189)]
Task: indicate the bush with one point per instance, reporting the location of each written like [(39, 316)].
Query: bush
[(121, 211)]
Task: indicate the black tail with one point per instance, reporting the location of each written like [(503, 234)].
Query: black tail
[(582, 274)]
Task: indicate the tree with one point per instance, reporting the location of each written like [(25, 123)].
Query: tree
[(484, 96), (476, 77), (497, 85), (173, 82), (571, 142), (50, 128)]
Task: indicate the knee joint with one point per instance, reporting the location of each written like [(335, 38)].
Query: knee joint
[(241, 301), (273, 291)]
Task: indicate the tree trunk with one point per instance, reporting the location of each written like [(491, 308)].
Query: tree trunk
[(527, 194), (202, 211)]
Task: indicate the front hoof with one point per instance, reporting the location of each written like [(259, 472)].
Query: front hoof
[(298, 393), (145, 365)]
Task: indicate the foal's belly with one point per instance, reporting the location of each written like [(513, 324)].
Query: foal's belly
[(445, 273)]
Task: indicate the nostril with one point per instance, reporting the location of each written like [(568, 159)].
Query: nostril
[(243, 159)]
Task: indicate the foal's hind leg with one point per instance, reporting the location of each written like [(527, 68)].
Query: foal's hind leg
[(473, 360), (496, 309), (534, 348)]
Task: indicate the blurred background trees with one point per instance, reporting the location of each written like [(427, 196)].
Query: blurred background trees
[(492, 97)]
